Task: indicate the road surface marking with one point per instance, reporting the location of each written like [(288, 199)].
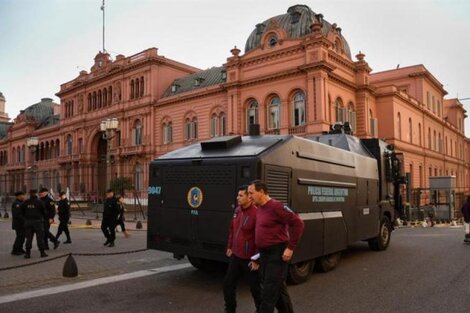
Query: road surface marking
[(90, 283)]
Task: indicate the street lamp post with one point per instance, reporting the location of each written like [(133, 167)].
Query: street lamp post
[(33, 143), (108, 128)]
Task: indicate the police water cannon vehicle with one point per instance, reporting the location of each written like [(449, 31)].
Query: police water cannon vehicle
[(344, 188)]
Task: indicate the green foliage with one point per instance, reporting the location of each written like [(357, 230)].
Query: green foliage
[(121, 184)]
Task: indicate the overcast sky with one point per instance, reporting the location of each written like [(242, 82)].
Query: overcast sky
[(44, 43)]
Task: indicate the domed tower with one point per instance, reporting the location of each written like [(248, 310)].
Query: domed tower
[(3, 115), (299, 22)]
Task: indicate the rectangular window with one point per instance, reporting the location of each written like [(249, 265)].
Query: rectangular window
[(428, 99), (80, 144)]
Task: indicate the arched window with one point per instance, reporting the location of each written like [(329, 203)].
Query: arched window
[(167, 133), (410, 130), (137, 133), (429, 138), (194, 128), (190, 128), (298, 107), (132, 89), (420, 135), (138, 177), (214, 131), (222, 125), (94, 100), (57, 151), (142, 86), (339, 115), (69, 143), (399, 125), (439, 143), (110, 95), (105, 97), (100, 98), (251, 114), (434, 142), (274, 121), (137, 88), (89, 102)]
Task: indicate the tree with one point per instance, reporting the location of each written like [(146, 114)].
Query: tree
[(121, 184)]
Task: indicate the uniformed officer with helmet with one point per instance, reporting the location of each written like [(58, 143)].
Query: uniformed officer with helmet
[(17, 224), (33, 214)]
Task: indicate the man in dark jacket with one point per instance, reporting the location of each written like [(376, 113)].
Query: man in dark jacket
[(64, 217), (49, 204), (240, 249), (33, 214), (17, 224), (278, 229), (466, 217), (110, 216)]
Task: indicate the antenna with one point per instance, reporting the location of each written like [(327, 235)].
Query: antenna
[(102, 9)]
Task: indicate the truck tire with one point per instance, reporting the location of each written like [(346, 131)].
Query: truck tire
[(327, 262), (382, 240), (300, 272), (203, 264)]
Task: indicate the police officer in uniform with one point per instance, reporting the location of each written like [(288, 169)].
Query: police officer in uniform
[(33, 214), (17, 224), (64, 217), (50, 214), (110, 216)]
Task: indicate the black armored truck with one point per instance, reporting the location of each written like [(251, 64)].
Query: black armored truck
[(344, 188)]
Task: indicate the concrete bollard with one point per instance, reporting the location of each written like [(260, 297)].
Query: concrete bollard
[(138, 225), (88, 222), (70, 267)]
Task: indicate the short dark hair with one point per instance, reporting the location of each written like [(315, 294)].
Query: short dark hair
[(19, 193), (243, 188), (62, 193), (44, 190), (109, 191), (260, 185)]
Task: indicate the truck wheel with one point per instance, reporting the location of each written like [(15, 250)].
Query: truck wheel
[(328, 262), (382, 241), (202, 264), (300, 272)]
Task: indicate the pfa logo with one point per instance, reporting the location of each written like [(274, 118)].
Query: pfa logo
[(195, 197)]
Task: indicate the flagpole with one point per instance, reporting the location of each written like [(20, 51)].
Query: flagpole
[(102, 9)]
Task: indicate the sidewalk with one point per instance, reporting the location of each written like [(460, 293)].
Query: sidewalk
[(79, 220)]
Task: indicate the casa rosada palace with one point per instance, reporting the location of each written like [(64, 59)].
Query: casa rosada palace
[(296, 76)]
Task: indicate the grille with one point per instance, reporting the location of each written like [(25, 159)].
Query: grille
[(200, 175), (278, 184)]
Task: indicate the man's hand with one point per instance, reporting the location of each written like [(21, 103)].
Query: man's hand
[(254, 266), (229, 252), (287, 255), (51, 221)]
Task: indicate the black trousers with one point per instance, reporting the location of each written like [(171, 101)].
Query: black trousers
[(120, 222), (31, 228), (108, 227), (237, 269), (273, 281), (48, 235), (63, 227), (19, 240)]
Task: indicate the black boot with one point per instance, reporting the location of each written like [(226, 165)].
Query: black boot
[(111, 244), (43, 254), (68, 241), (56, 244), (27, 254), (106, 242)]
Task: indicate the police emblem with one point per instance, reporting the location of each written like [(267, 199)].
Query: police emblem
[(195, 197)]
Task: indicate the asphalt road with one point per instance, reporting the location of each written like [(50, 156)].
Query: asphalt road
[(424, 270)]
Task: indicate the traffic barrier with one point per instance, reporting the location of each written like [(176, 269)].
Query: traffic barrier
[(138, 225), (70, 268), (88, 222)]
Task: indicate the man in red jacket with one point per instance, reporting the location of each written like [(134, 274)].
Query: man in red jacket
[(277, 232), (240, 248)]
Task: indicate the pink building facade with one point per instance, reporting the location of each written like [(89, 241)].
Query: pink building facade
[(296, 76)]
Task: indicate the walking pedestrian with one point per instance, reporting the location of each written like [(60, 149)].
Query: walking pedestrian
[(33, 214), (121, 217), (466, 218), (49, 204), (240, 248), (110, 215), (277, 232), (64, 217), (17, 224)]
